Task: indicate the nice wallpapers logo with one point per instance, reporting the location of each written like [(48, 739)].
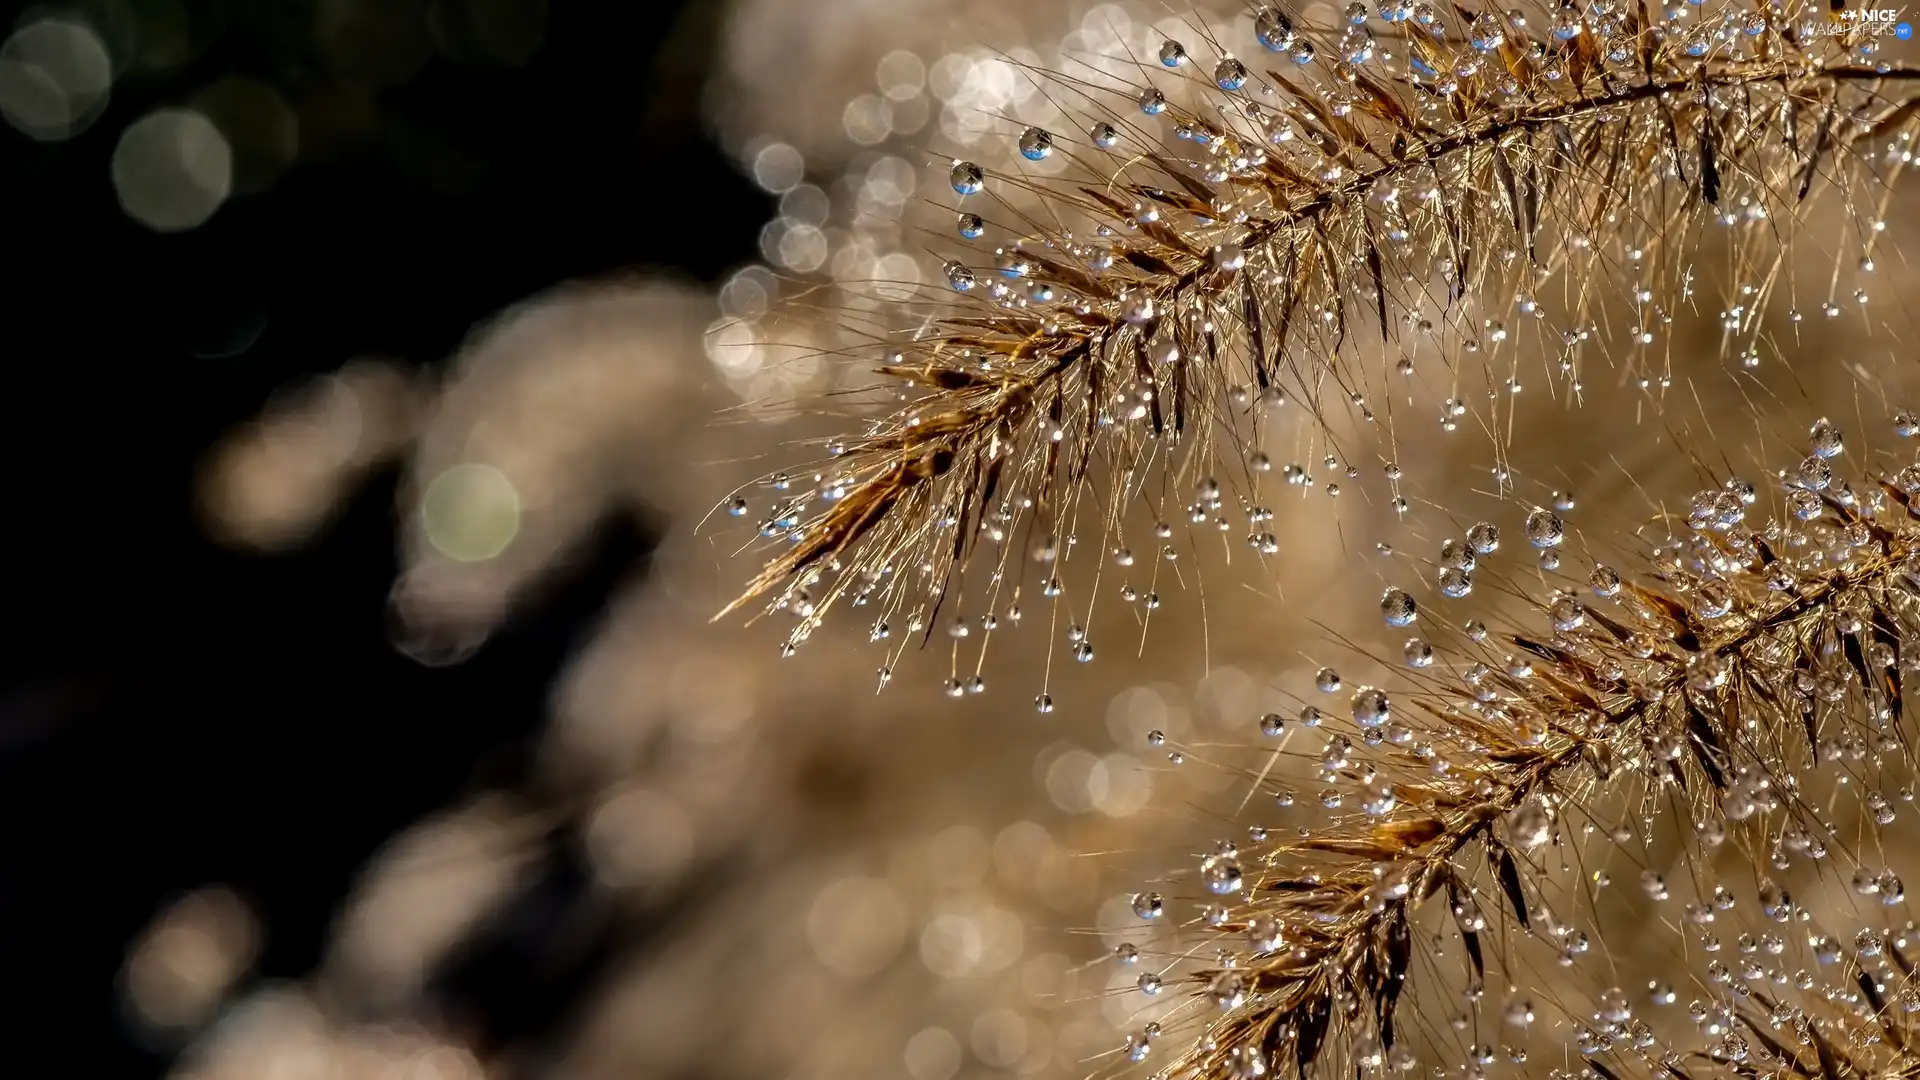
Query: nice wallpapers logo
[(1876, 21)]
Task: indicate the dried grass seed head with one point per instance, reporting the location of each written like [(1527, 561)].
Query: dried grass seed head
[(1411, 211)]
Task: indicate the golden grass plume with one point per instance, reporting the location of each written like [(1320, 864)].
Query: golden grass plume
[(1396, 217)]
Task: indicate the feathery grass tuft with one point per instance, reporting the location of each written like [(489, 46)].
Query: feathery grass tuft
[(1403, 218), (1407, 213), (1721, 710)]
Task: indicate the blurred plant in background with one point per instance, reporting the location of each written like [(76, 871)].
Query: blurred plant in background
[(916, 885), (175, 165)]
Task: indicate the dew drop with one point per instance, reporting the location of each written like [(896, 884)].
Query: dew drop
[(1036, 144), (1530, 824), (1456, 555), (1418, 653), (967, 178), (1398, 608), (1371, 708), (1824, 440), (1274, 30), (1230, 74), (1545, 529), (1814, 474), (1264, 933), (1228, 990), (1486, 33), (1221, 873), (1566, 614), (1775, 903)]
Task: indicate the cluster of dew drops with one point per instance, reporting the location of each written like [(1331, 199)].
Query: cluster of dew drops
[(1371, 709), (1757, 960), (1276, 33), (1729, 33), (1225, 157)]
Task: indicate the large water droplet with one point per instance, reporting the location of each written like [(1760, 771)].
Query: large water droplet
[(1545, 529), (967, 178)]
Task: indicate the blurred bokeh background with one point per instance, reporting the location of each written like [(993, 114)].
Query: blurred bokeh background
[(373, 365), (250, 241)]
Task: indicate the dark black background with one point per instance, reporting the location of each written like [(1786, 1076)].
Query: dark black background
[(173, 713)]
